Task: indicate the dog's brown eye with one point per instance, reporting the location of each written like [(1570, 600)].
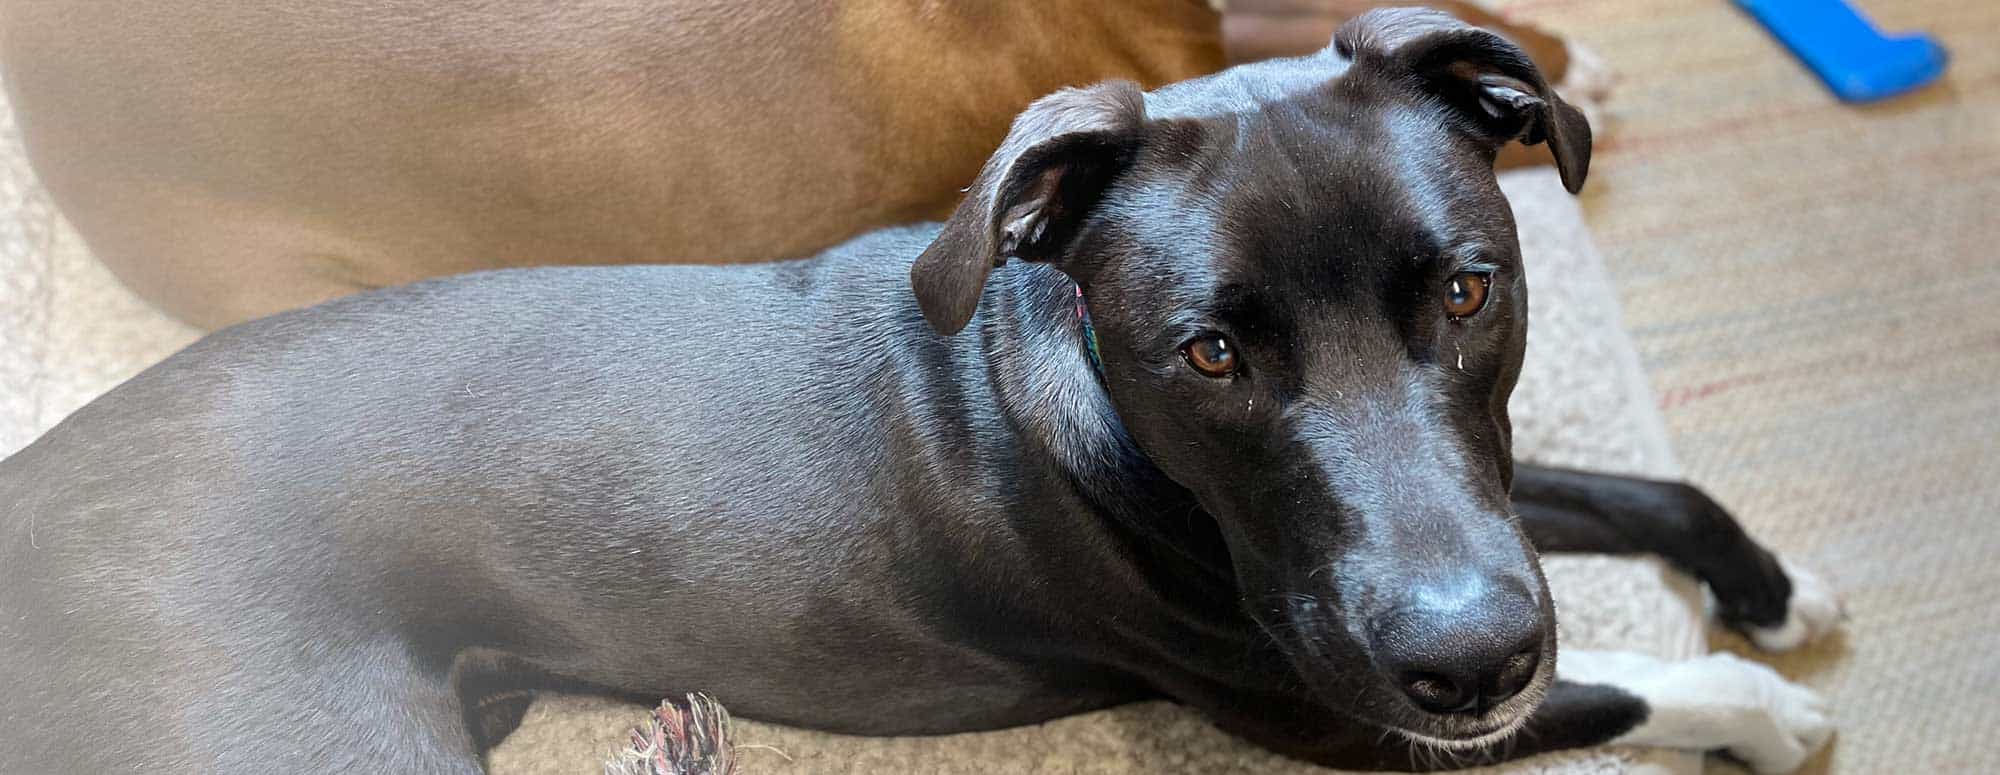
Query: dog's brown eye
[(1211, 355), (1465, 294)]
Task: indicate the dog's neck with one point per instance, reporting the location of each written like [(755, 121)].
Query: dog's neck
[(1040, 347)]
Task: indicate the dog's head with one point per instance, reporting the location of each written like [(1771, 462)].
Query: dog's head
[(1308, 293)]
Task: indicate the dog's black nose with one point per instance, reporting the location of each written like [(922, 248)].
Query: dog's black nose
[(1460, 652)]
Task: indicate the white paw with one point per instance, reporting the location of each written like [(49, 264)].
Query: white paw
[(1719, 702), (1813, 610)]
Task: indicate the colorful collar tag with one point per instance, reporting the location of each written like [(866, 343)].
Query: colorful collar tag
[(1089, 335)]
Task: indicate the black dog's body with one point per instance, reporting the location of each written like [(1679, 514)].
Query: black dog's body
[(483, 464), (479, 466), (314, 541)]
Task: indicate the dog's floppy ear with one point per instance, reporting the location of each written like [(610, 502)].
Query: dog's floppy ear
[(1027, 202), (1483, 76)]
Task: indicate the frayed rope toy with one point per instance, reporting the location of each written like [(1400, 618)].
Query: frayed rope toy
[(690, 738)]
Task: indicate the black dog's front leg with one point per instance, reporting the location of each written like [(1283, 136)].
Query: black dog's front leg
[(1716, 703), (1576, 511)]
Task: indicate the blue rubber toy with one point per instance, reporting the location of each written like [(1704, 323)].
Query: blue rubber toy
[(1846, 51)]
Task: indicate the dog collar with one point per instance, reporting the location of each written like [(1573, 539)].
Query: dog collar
[(1089, 334)]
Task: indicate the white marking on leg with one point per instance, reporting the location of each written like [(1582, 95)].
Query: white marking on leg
[(1718, 702), (1812, 611)]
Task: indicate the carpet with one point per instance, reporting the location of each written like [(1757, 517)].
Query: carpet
[(1811, 288)]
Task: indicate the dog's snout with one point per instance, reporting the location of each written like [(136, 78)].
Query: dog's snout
[(1464, 650)]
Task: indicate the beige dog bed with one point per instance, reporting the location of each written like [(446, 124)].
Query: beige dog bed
[(68, 331)]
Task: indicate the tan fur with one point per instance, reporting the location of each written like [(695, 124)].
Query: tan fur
[(228, 160)]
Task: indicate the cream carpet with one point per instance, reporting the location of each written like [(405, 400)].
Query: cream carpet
[(1814, 290)]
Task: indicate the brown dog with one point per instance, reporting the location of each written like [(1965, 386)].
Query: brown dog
[(233, 159)]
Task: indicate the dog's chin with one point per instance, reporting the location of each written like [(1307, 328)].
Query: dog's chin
[(1462, 741), (1381, 705), (1454, 739), (1453, 734)]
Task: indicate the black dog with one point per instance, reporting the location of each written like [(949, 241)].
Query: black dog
[(1266, 474)]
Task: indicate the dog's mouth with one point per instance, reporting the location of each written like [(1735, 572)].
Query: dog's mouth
[(1436, 753), (1465, 742), (1399, 717), (1440, 741), (1476, 742)]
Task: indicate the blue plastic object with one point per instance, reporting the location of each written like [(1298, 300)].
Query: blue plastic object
[(1846, 51)]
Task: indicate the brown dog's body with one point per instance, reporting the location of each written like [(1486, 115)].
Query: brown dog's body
[(240, 158), (259, 155)]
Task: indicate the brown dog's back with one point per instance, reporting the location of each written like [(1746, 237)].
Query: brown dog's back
[(229, 160)]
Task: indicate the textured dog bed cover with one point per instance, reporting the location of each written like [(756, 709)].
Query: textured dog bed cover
[(69, 331)]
